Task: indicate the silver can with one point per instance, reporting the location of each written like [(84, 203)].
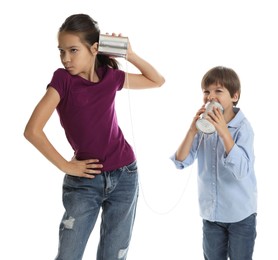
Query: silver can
[(115, 46), (203, 124)]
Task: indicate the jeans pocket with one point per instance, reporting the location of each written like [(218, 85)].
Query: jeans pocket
[(131, 168), (251, 220)]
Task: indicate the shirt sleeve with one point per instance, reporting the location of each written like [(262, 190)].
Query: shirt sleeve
[(59, 81), (191, 156), (240, 159), (119, 78), (122, 79)]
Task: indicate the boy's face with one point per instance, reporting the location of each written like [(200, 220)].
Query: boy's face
[(219, 94)]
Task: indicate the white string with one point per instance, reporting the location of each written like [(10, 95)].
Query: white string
[(182, 193), (134, 147)]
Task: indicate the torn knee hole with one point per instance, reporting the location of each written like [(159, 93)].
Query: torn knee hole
[(68, 223)]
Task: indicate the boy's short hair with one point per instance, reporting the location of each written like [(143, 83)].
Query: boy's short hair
[(225, 77)]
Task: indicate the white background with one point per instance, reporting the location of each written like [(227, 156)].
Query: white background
[(182, 39)]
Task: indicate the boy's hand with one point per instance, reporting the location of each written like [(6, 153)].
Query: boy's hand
[(216, 117), (196, 117)]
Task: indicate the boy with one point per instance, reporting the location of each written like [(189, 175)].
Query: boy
[(226, 178)]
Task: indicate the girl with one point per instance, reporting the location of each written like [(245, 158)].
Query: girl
[(103, 171)]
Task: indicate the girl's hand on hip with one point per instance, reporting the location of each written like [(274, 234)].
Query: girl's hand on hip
[(84, 168)]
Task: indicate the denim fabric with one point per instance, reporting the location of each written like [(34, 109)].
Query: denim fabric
[(116, 193), (233, 240)]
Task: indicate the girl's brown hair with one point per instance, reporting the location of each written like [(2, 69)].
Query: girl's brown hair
[(88, 31)]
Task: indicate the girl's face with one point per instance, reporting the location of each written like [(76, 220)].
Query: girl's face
[(221, 95), (76, 57)]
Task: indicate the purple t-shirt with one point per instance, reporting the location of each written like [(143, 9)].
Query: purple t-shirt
[(87, 113)]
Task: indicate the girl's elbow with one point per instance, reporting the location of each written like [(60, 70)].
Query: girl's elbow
[(29, 133), (161, 82)]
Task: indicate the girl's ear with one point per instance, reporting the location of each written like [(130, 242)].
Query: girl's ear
[(94, 48)]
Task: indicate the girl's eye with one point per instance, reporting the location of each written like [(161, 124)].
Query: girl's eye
[(73, 50)]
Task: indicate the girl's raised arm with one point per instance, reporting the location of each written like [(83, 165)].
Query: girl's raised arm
[(149, 77)]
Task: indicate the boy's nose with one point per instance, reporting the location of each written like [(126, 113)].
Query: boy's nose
[(210, 97)]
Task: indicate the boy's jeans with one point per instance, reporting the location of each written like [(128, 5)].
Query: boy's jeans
[(233, 240), (116, 193)]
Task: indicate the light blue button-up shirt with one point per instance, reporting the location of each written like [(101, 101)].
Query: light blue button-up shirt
[(226, 183)]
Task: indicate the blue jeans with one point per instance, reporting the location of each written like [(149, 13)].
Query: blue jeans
[(116, 193), (233, 240)]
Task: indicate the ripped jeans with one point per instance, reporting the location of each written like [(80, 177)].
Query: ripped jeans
[(116, 193)]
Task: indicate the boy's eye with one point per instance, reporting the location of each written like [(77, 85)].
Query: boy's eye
[(73, 50)]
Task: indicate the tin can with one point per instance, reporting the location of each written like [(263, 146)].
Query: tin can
[(203, 124), (115, 46)]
